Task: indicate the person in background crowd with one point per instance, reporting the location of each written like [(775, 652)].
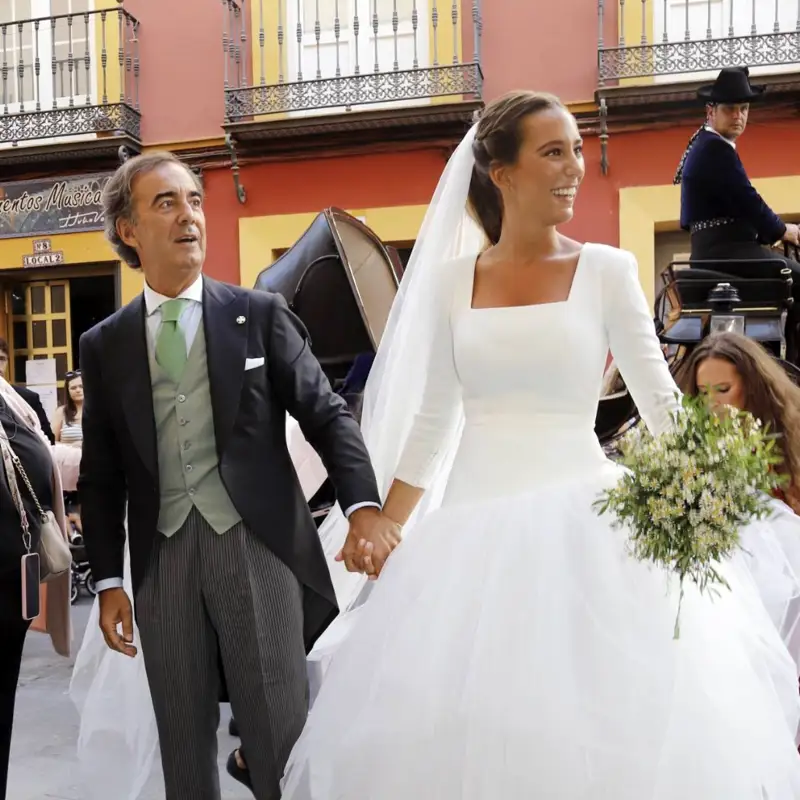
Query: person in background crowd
[(68, 422), (736, 371), (28, 395), (68, 430), (21, 432)]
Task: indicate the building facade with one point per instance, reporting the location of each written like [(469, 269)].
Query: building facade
[(283, 107), (629, 70), (286, 107)]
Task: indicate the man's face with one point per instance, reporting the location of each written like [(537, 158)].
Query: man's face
[(729, 119), (3, 363), (168, 228)]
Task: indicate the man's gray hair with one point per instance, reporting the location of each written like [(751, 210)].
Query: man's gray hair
[(118, 197)]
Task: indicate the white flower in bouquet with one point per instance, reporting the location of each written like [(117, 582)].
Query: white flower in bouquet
[(686, 494)]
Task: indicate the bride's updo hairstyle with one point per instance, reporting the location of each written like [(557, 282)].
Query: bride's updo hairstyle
[(498, 140)]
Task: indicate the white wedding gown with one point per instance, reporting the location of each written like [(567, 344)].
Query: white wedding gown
[(512, 649)]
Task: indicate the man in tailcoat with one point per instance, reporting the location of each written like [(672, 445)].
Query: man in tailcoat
[(724, 213), (186, 394), (726, 216)]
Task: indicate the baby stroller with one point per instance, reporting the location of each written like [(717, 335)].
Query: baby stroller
[(81, 571)]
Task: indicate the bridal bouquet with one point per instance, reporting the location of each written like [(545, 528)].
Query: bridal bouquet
[(686, 493)]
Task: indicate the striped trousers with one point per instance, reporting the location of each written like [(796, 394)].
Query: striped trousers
[(208, 597)]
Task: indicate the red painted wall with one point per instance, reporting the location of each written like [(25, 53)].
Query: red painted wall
[(294, 187), (181, 78), (540, 45)]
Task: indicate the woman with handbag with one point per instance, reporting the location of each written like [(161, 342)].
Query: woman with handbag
[(32, 548)]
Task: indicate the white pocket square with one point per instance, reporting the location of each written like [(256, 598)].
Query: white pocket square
[(252, 363)]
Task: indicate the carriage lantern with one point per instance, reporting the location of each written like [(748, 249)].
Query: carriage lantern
[(723, 299)]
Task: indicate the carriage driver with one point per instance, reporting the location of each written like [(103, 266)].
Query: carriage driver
[(726, 216)]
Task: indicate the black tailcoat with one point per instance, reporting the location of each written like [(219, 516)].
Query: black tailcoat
[(120, 460)]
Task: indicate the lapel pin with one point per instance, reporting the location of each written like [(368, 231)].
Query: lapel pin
[(240, 320)]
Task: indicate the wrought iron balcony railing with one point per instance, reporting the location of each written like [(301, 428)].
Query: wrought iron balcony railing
[(667, 39), (310, 56), (71, 74)]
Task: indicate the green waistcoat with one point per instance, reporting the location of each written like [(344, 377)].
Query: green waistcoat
[(188, 466)]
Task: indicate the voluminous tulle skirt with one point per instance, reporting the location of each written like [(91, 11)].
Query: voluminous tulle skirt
[(513, 649)]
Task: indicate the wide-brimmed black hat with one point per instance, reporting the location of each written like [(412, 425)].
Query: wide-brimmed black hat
[(731, 86)]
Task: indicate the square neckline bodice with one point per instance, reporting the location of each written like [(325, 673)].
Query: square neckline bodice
[(564, 302)]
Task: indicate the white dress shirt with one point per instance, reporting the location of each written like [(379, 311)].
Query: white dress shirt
[(724, 138), (189, 320), (188, 323)]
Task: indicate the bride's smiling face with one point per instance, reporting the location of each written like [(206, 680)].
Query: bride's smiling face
[(544, 181)]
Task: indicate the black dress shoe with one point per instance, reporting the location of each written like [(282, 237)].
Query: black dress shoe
[(233, 728), (236, 772)]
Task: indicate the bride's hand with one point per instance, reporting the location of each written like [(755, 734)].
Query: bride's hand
[(370, 541)]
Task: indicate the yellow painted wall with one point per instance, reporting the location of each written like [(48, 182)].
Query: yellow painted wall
[(647, 210), (131, 284), (636, 19), (78, 248), (112, 38), (262, 238), (266, 14), (448, 40), (88, 247)]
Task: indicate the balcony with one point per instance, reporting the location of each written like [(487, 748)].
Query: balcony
[(671, 41), (69, 81), (304, 65), (654, 54)]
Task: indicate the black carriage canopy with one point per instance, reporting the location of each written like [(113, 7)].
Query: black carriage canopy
[(340, 280)]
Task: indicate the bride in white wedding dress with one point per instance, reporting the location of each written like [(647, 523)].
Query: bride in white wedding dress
[(511, 648)]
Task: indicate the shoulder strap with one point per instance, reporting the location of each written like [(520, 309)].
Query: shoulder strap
[(9, 458)]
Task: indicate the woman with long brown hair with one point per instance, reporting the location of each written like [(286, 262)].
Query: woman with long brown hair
[(736, 371), (68, 424)]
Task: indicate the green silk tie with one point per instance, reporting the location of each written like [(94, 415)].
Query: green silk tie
[(171, 353)]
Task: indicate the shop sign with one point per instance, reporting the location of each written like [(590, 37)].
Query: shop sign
[(43, 255), (52, 205)]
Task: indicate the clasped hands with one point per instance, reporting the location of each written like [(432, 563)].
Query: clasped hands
[(370, 541)]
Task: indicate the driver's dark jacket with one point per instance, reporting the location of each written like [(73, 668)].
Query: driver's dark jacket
[(715, 186)]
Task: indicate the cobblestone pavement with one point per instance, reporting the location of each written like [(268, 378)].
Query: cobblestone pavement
[(43, 762)]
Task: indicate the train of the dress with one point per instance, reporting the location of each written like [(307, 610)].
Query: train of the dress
[(513, 648)]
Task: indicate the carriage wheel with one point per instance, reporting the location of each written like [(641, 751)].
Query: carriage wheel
[(73, 592), (90, 586)]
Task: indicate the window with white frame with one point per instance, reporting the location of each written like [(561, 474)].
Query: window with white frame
[(676, 21), (60, 43), (357, 50)]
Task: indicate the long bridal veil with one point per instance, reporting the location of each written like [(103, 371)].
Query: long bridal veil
[(396, 383)]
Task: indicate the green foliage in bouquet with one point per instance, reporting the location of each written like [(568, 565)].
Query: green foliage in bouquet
[(686, 493)]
